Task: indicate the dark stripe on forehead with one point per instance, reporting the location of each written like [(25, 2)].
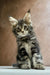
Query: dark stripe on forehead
[(20, 22)]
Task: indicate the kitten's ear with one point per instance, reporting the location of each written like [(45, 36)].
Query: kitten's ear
[(13, 21), (27, 17)]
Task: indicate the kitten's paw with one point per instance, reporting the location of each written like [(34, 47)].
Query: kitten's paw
[(39, 66), (25, 66)]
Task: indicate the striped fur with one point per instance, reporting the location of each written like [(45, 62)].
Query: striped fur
[(28, 55)]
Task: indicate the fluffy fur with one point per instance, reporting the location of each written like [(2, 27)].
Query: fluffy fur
[(28, 55)]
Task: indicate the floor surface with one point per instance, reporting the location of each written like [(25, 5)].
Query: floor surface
[(9, 70)]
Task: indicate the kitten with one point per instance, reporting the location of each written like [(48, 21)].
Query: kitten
[(28, 53)]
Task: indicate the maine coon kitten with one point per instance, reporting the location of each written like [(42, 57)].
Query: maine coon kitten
[(28, 55)]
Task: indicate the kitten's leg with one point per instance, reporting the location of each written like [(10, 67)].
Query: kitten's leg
[(23, 62), (37, 61), (26, 64)]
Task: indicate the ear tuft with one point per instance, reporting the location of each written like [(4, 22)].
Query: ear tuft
[(28, 11), (27, 17)]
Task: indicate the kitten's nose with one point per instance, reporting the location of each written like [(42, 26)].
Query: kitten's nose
[(22, 31)]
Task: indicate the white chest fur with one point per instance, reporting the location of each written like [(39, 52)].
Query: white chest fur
[(28, 49)]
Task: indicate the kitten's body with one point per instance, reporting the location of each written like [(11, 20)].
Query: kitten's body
[(28, 55)]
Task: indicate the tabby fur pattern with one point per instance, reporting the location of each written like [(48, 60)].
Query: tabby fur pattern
[(28, 52)]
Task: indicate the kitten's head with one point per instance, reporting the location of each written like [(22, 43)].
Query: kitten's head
[(22, 27)]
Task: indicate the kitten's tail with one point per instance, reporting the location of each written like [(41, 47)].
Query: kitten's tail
[(16, 66)]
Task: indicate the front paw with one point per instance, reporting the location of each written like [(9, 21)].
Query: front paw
[(39, 66)]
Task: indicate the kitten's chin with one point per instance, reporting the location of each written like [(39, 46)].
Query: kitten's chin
[(23, 36)]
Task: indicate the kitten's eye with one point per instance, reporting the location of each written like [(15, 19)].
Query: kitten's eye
[(18, 29), (25, 28)]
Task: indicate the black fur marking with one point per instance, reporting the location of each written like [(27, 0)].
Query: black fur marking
[(20, 22), (37, 46), (20, 58), (33, 50), (22, 52)]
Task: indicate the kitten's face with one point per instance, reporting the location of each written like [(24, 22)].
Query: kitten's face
[(21, 27)]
